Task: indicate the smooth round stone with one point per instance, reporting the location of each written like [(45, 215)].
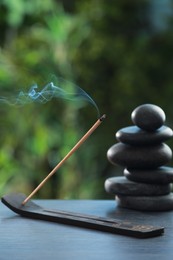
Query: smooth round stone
[(122, 186), (148, 117), (146, 203), (162, 175), (139, 156), (133, 135)]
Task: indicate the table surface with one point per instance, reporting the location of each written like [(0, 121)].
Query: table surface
[(22, 238)]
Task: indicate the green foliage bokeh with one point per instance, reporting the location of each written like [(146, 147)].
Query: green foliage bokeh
[(111, 49)]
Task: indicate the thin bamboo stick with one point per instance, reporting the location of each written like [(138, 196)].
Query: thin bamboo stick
[(79, 143)]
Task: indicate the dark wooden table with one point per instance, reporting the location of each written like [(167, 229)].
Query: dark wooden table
[(22, 239)]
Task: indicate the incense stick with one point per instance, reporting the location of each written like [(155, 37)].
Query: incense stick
[(79, 143)]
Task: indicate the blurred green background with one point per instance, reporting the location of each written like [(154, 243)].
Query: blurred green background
[(120, 52)]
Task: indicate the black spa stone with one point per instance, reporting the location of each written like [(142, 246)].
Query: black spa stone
[(140, 157), (122, 186), (146, 203), (133, 135), (148, 117), (161, 175)]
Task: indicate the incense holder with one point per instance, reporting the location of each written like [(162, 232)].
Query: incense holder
[(146, 184), (34, 211)]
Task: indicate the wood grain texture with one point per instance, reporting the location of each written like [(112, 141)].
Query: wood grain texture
[(23, 238)]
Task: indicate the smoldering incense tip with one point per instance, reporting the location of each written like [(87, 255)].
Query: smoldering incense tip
[(102, 117), (79, 143)]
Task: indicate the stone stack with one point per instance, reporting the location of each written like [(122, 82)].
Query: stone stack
[(146, 184)]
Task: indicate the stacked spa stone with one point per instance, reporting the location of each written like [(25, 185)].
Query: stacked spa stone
[(146, 184)]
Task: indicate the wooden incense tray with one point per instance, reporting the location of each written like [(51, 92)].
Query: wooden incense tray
[(34, 211)]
